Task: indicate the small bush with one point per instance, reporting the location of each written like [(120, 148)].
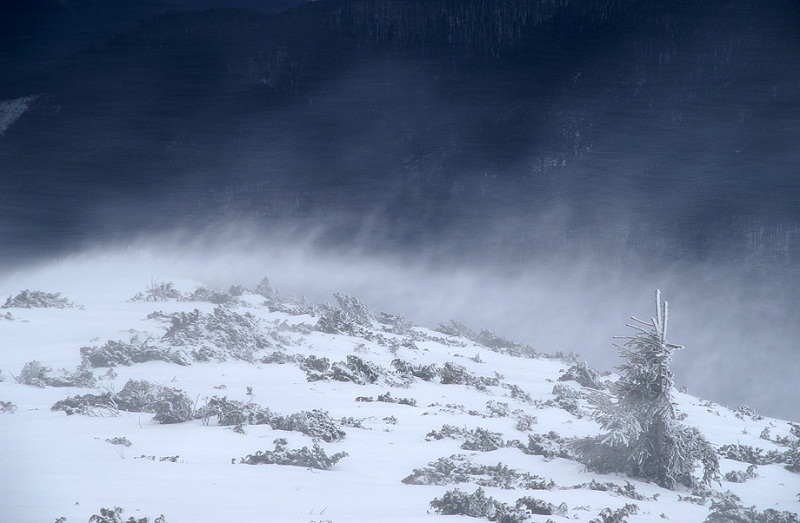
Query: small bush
[(125, 442), (454, 374), (482, 440), (6, 407), (423, 372), (34, 373), (315, 423), (37, 299), (314, 458), (517, 393), (115, 353), (218, 336), (740, 476), (751, 455), (478, 439), (459, 469), (316, 369), (355, 310), (538, 506), (728, 510), (38, 375), (477, 505), (628, 491), (387, 398), (616, 516), (743, 411), (549, 445), (172, 406), (584, 375), (356, 370), (159, 292), (169, 405), (114, 515), (231, 297), (525, 422), (496, 409)]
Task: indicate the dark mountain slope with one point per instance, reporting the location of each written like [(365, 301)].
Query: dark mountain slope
[(642, 127)]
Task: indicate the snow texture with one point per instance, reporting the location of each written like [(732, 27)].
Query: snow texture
[(359, 417)]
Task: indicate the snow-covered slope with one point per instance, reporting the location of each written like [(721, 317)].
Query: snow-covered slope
[(169, 389)]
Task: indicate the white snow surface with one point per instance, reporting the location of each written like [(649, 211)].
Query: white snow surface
[(57, 465)]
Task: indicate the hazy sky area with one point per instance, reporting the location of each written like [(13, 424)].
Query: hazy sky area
[(533, 168)]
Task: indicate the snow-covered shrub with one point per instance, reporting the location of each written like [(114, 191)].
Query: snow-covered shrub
[(479, 439), (114, 515), (584, 375), (316, 369), (280, 358), (6, 407), (728, 510), (88, 404), (454, 374), (740, 476), (395, 324), (476, 505), (628, 491), (229, 297), (549, 445), (539, 506), (459, 469), (234, 412), (409, 370), (221, 335), (749, 454), (159, 292), (125, 442), (498, 344), (456, 329), (568, 399), (37, 299), (172, 406), (170, 459), (167, 404), (496, 409), (743, 411), (488, 339), (792, 456), (116, 353), (482, 440), (352, 317), (387, 398), (447, 431), (34, 373), (525, 422), (314, 458), (354, 309), (616, 516), (315, 423), (38, 375), (356, 370), (517, 393)]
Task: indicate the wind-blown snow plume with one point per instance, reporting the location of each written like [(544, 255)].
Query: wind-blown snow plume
[(11, 110)]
